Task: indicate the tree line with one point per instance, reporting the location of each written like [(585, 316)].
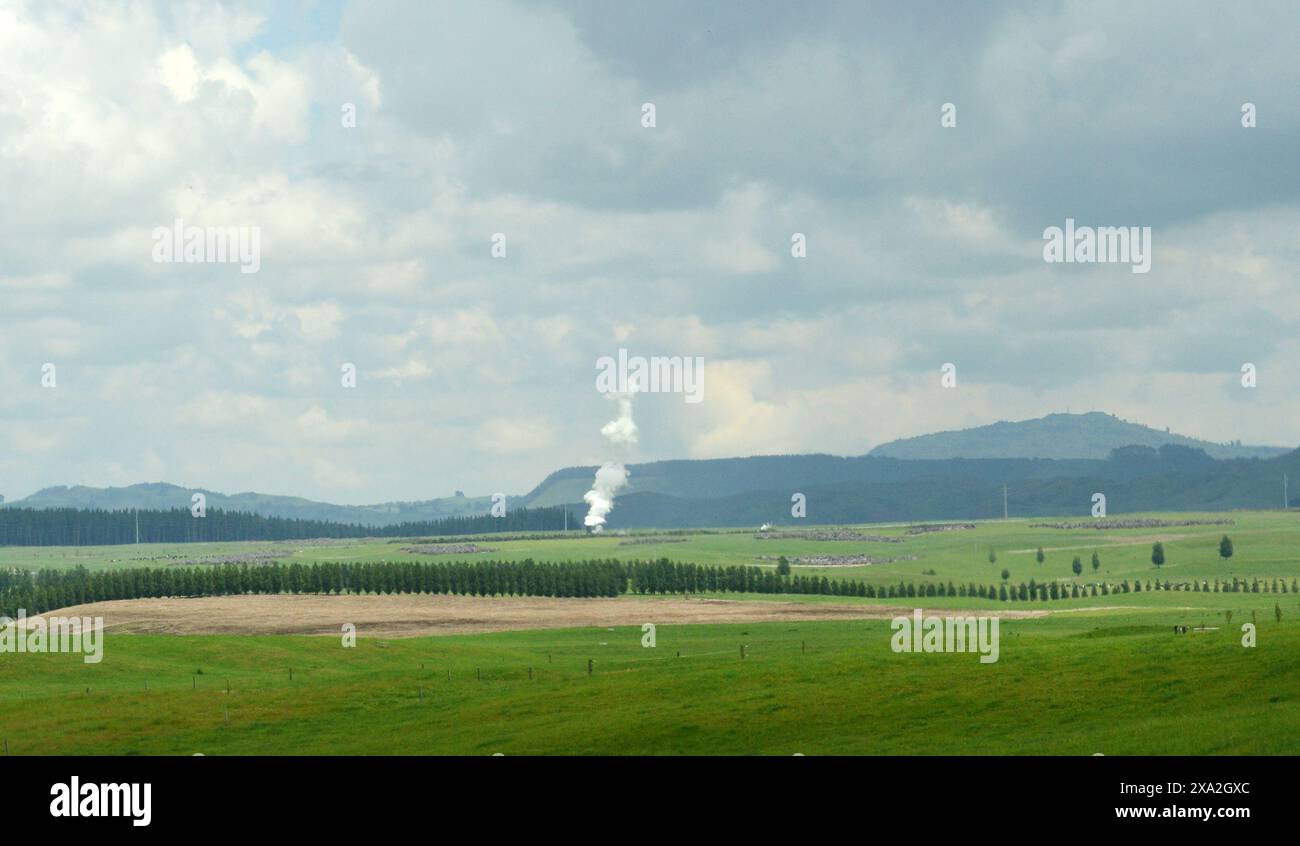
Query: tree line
[(667, 577), (100, 527), (48, 589)]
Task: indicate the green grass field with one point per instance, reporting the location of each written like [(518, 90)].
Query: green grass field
[(1266, 544), (1077, 684), (1116, 681)]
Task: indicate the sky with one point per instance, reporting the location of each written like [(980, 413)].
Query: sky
[(475, 372)]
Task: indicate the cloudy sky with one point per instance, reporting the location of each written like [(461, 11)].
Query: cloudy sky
[(924, 242)]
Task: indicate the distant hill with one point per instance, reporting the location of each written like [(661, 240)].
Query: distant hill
[(1134, 479), (1091, 435), (1051, 465), (163, 496), (724, 477), (707, 478)]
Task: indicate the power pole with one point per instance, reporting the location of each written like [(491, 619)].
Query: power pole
[(1004, 502), (1286, 500), (137, 525)]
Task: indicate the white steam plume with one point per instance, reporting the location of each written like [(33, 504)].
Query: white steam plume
[(612, 476), (609, 479), (621, 430)]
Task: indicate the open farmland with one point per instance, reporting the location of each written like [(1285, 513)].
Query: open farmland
[(511, 674), (1067, 684), (1266, 543)]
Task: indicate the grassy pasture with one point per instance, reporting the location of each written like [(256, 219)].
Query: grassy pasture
[(1118, 683), (1079, 681), (1266, 544)]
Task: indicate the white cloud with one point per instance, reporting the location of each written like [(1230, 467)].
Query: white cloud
[(923, 246), (505, 436)]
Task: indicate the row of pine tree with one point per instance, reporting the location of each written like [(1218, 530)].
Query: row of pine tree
[(37, 592)]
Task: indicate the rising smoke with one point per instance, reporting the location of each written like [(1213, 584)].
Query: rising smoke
[(612, 476)]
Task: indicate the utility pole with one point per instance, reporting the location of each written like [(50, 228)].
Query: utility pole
[(1004, 502), (1286, 500), (137, 525)]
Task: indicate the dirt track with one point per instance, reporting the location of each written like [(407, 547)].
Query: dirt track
[(415, 615)]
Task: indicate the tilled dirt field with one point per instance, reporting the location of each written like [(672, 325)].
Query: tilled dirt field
[(407, 615)]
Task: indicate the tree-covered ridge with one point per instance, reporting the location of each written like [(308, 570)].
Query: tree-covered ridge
[(897, 481), (161, 496), (1090, 435)]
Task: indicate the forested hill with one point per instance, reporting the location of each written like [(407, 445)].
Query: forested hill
[(712, 478), (161, 496), (1134, 479), (1055, 446), (1092, 435), (1050, 466), (863, 490), (737, 477)]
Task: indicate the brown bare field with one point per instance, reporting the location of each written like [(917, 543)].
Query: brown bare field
[(416, 615)]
